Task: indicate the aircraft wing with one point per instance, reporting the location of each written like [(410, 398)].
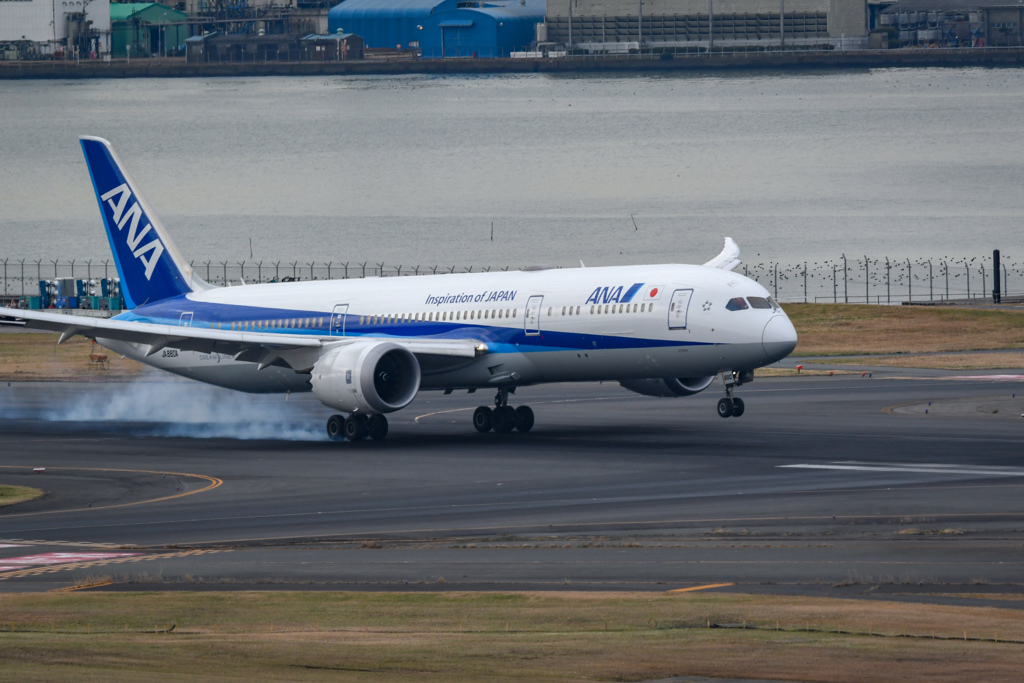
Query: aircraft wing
[(729, 258), (264, 348)]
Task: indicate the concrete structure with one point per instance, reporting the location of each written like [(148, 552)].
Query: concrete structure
[(33, 29), (146, 29), (598, 25)]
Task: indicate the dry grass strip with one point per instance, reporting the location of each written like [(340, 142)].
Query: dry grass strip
[(840, 329), (499, 636), (32, 356)]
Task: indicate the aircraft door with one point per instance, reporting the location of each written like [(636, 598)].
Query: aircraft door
[(186, 320), (531, 320), (338, 320), (678, 307)]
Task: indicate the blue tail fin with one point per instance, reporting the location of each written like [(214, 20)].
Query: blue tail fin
[(150, 265)]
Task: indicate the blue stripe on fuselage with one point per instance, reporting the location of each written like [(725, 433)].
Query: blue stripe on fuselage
[(499, 339)]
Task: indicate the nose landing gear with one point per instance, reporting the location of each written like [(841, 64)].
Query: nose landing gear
[(503, 418), (731, 406)]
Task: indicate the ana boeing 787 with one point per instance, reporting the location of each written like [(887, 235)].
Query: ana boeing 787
[(366, 347)]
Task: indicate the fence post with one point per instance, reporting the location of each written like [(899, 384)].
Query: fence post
[(259, 271), (835, 285), (242, 266), (945, 267), (930, 296), (54, 269), (225, 264), (72, 262), (295, 270), (277, 271), (867, 281), (967, 267), (805, 281), (23, 277), (910, 282), (311, 270), (846, 291), (888, 280), (984, 283), (381, 266), (5, 277), (329, 270), (363, 264), (776, 281)]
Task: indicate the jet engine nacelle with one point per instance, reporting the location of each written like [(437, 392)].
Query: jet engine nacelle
[(670, 386), (372, 377)]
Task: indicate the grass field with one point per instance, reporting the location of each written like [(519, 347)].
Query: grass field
[(499, 636), (9, 495), (28, 356), (841, 329)]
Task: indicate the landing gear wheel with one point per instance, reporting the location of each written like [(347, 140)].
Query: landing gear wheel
[(335, 428), (737, 407), (503, 419), (378, 427), (725, 407), (356, 427), (524, 418), (482, 419)]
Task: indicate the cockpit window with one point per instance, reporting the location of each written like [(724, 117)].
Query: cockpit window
[(758, 302), (737, 304), (774, 303)]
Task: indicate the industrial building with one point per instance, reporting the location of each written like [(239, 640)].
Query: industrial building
[(146, 29), (36, 29), (951, 23), (621, 25), (442, 28), (221, 48)]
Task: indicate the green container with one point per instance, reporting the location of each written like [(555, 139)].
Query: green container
[(35, 302)]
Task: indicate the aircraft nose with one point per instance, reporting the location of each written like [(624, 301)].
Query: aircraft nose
[(778, 338)]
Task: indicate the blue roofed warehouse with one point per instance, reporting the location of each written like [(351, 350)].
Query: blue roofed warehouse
[(448, 28)]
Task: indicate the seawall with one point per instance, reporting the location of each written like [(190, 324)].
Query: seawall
[(860, 59)]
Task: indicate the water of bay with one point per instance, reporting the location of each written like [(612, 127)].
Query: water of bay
[(414, 170)]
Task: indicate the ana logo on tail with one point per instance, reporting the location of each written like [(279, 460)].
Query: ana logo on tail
[(117, 199)]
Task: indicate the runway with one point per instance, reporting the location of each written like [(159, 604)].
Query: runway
[(836, 485)]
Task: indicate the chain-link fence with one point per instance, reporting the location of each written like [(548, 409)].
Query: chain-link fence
[(844, 280)]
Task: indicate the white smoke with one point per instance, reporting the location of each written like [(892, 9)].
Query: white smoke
[(155, 407)]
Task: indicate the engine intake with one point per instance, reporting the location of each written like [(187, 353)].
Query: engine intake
[(377, 377), (669, 387)]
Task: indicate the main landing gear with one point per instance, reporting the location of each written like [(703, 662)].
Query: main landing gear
[(503, 418), (356, 427), (731, 406)]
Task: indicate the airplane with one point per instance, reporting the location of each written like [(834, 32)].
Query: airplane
[(367, 347)]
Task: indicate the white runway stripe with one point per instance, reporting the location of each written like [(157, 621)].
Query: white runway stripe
[(924, 468)]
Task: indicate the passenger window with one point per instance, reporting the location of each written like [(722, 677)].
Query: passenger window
[(563, 311), (591, 309), (737, 304), (514, 312)]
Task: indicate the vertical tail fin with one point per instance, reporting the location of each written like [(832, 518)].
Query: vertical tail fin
[(150, 265)]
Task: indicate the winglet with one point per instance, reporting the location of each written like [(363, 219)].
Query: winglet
[(729, 258), (149, 263)]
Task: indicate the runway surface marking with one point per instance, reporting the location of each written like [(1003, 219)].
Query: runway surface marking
[(924, 468), (126, 557), (995, 378), (9, 545), (700, 588), (49, 559), (214, 483)]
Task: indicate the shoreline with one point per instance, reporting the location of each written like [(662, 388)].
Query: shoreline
[(859, 59)]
